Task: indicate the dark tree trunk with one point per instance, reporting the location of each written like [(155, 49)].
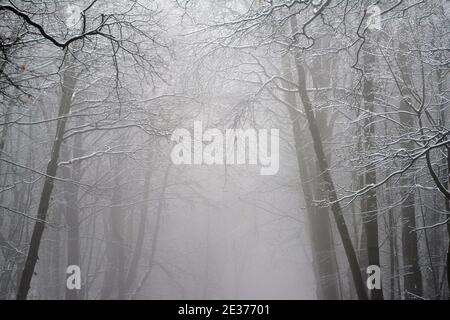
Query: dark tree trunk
[(328, 181), (412, 275), (68, 85), (443, 121), (323, 253), (369, 201)]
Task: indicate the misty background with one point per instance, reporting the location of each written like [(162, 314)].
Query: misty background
[(91, 91)]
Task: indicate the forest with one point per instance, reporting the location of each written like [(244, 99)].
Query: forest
[(224, 149)]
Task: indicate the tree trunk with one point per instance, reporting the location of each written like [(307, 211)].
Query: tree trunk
[(159, 211), (68, 85), (115, 273), (332, 196), (72, 213), (132, 272), (323, 253), (328, 181), (443, 121), (412, 275), (369, 201)]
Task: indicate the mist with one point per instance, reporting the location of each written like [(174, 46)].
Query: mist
[(224, 149)]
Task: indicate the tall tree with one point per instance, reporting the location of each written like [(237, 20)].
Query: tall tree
[(68, 87), (369, 202)]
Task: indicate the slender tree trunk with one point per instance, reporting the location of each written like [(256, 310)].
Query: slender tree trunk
[(72, 214), (132, 272), (4, 134), (56, 255), (321, 80), (443, 121), (115, 273), (369, 203), (392, 234), (326, 176), (447, 208), (412, 275), (13, 239), (323, 253), (159, 210), (68, 85)]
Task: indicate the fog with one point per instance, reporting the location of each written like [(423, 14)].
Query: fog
[(224, 149)]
